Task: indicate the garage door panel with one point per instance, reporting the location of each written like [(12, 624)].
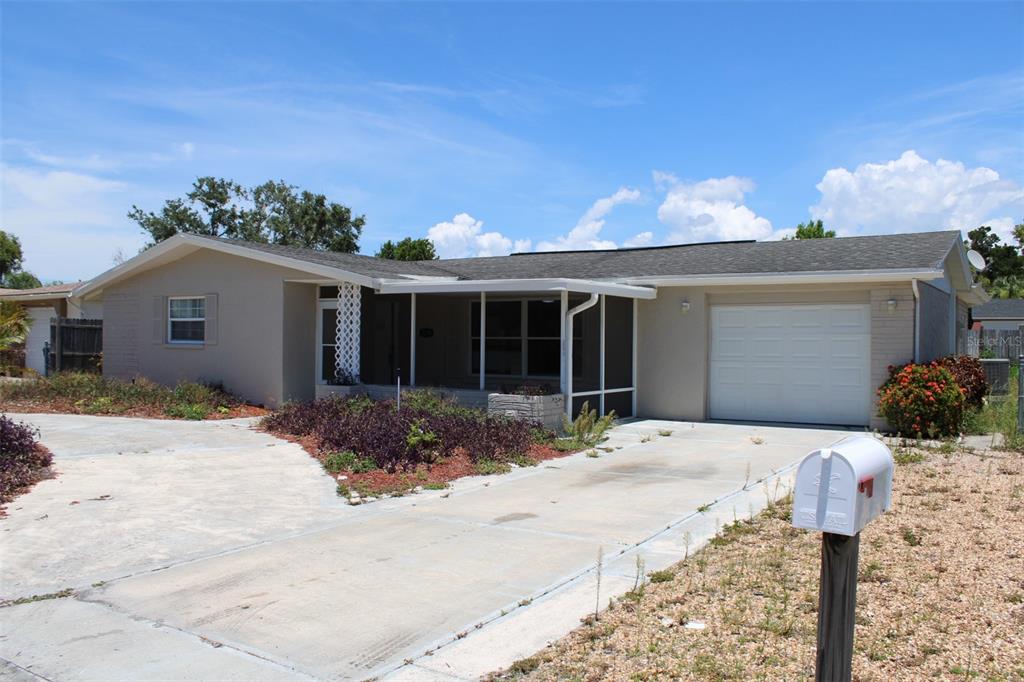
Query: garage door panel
[(801, 363)]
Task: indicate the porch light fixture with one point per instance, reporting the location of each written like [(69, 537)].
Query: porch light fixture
[(684, 306), (891, 304)]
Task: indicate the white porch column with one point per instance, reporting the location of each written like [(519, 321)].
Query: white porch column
[(600, 373), (562, 360), (346, 333), (483, 338), (636, 307)]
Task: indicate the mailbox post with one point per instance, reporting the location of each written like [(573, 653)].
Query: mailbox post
[(839, 490)]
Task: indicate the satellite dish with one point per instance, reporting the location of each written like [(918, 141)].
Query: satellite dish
[(976, 259)]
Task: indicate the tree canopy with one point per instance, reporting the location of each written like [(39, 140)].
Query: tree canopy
[(1003, 276), (813, 229), (408, 249), (274, 213), (11, 258)]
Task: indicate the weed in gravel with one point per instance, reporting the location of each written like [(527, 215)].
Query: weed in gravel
[(910, 537), (907, 456), (661, 576)]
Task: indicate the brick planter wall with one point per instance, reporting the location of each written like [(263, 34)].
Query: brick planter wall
[(546, 409)]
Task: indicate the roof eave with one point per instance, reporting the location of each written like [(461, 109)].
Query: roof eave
[(813, 277), (181, 241), (541, 285)]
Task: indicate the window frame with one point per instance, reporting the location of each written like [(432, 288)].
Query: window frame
[(323, 304), (170, 320)]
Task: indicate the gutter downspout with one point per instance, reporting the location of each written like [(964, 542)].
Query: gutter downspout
[(917, 320), (573, 312)]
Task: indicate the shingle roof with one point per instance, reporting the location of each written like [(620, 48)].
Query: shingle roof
[(921, 250), (999, 308), (41, 291)]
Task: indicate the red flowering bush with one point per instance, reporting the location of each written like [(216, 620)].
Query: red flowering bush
[(922, 401), (969, 375)]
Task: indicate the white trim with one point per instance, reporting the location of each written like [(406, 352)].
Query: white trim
[(583, 394), (586, 305), (636, 308), (323, 304), (190, 242), (185, 342), (564, 309), (600, 372), (815, 277), (917, 320), (388, 286), (40, 296)]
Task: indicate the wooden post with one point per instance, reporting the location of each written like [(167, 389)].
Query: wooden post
[(837, 603), (58, 350)]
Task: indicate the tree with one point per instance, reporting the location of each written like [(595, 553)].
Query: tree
[(408, 249), (22, 280), (813, 229), (14, 324), (1002, 260), (10, 255), (273, 213)]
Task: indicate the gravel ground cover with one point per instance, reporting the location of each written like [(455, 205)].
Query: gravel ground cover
[(940, 594)]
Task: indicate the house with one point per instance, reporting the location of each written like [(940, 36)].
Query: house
[(1004, 314), (792, 331), (42, 305)]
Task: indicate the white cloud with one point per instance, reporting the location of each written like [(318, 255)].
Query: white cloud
[(586, 234), (709, 210), (642, 239), (910, 194), (463, 237), (69, 223)]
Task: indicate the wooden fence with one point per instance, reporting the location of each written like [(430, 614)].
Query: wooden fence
[(75, 345), (1007, 344)]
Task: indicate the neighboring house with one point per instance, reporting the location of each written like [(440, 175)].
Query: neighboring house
[(792, 331), (43, 304), (999, 314)]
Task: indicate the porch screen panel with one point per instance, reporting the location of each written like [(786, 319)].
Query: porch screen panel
[(618, 348), (622, 403), (384, 342), (586, 352)]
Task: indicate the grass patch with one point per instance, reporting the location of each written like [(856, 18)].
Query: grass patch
[(62, 594), (87, 393)]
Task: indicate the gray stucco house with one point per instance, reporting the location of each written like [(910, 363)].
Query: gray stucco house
[(791, 331)]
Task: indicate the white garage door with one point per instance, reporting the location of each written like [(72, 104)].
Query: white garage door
[(799, 363)]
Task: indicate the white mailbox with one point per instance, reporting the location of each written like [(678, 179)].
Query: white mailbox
[(841, 489)]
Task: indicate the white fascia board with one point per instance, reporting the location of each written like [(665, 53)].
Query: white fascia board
[(25, 298), (180, 241), (817, 277), (978, 296), (517, 285)]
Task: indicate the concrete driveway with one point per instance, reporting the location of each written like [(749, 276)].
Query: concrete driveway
[(212, 551)]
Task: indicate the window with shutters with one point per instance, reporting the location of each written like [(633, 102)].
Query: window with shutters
[(186, 319)]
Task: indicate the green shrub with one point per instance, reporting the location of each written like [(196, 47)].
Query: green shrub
[(348, 461), (922, 401), (969, 375), (194, 411), (587, 429)]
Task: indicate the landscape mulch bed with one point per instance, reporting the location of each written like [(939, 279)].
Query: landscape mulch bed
[(378, 481), (142, 411), (38, 475), (940, 593)]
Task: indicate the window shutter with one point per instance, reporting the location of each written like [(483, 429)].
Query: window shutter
[(211, 320), (159, 319)]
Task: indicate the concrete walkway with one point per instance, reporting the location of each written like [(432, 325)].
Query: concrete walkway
[(211, 551)]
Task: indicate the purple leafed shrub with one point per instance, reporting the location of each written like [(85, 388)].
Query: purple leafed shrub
[(426, 429), (21, 457)]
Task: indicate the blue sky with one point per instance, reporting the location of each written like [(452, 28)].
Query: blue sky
[(493, 127)]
